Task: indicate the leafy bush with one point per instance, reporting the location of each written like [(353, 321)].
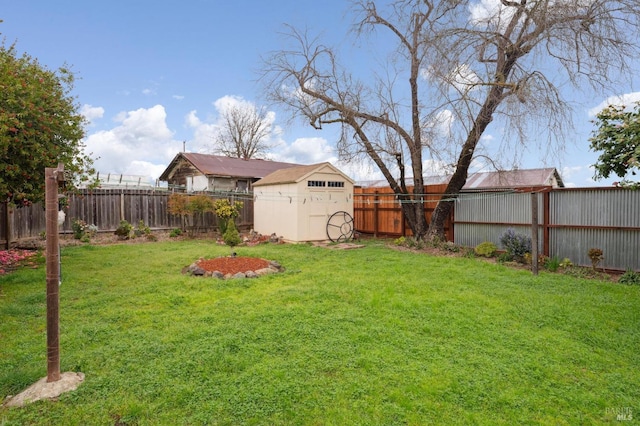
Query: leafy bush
[(504, 257), (142, 229), (175, 233), (124, 230), (486, 249), (553, 264), (400, 241), (630, 277), (78, 227), (225, 210), (566, 263), (231, 236), (450, 246), (517, 245), (596, 255)]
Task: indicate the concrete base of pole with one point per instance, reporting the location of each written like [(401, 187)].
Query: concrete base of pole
[(45, 390)]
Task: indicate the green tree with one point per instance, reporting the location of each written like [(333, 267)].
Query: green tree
[(40, 126), (618, 138)]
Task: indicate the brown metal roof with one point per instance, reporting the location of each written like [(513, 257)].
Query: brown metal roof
[(217, 165), (514, 179), (492, 180)]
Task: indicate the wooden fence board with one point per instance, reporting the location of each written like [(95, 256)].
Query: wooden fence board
[(105, 208)]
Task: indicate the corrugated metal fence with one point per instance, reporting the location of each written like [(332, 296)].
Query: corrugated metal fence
[(571, 221), (105, 208)]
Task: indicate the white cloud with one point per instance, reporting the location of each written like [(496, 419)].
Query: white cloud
[(491, 13), (627, 99), (307, 151), (203, 133), (464, 79), (148, 92), (141, 143), (178, 97), (91, 113)]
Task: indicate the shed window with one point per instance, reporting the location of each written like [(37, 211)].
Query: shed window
[(335, 184), (316, 183)]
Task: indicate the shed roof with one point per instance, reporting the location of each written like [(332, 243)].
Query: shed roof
[(297, 174), (218, 165)]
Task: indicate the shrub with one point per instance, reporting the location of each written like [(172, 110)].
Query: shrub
[(400, 241), (231, 236), (630, 277), (124, 230), (175, 233), (225, 210), (596, 255), (486, 249), (553, 264), (504, 257), (566, 263), (517, 245), (142, 229), (78, 227)]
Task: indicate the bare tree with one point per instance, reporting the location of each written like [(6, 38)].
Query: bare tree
[(244, 132), (455, 67)]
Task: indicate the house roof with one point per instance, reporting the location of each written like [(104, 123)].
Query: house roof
[(297, 174), (217, 165), (492, 180)]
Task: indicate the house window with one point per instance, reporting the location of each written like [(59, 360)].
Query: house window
[(316, 183), (335, 184)]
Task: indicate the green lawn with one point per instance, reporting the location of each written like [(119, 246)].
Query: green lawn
[(373, 336)]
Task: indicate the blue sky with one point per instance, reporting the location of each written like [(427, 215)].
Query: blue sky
[(153, 74)]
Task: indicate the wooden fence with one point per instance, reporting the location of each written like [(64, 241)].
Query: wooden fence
[(105, 208), (378, 211)]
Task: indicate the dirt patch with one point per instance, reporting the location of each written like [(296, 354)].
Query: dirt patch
[(233, 265)]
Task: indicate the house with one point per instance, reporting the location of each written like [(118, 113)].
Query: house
[(514, 179), (205, 172), (297, 203), (507, 179)]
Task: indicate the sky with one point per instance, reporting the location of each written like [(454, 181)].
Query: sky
[(154, 76)]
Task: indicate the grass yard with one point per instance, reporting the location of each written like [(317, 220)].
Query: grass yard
[(373, 336)]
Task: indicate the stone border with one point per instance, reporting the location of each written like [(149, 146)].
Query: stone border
[(196, 271)]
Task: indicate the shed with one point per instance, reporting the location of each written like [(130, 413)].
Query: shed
[(296, 203)]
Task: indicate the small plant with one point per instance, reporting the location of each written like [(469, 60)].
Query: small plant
[(176, 232), (451, 247), (630, 278), (142, 229), (124, 230), (596, 255), (231, 236), (226, 210), (92, 231), (400, 241), (553, 264), (566, 263), (486, 249), (85, 238), (78, 227), (504, 257), (517, 245)]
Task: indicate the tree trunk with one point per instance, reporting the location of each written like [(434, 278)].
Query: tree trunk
[(459, 177)]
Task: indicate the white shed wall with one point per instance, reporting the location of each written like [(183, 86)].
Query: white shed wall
[(298, 212)]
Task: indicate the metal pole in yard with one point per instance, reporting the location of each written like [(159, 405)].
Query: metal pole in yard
[(52, 177), (534, 233)]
